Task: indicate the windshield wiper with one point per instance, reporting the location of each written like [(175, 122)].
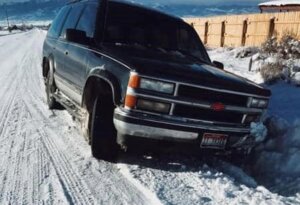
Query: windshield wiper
[(192, 56), (128, 45)]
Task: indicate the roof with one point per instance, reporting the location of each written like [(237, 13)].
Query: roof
[(136, 5), (281, 3)]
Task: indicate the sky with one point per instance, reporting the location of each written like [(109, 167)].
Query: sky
[(173, 1)]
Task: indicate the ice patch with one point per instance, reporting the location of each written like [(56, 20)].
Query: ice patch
[(259, 131)]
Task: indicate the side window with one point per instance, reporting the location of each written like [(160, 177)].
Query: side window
[(58, 22), (87, 21), (72, 19)]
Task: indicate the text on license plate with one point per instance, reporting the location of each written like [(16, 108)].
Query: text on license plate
[(212, 140)]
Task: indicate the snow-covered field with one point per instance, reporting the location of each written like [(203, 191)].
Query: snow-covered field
[(6, 32), (44, 159)]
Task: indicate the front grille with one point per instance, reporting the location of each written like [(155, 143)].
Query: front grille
[(190, 93), (211, 96), (207, 114)]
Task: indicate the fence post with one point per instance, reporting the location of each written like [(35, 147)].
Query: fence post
[(222, 34), (244, 32), (250, 64), (271, 27), (206, 32)]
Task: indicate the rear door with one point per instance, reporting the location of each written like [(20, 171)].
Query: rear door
[(65, 76), (76, 58), (52, 38)]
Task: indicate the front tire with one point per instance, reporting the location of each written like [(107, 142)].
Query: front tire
[(103, 133)]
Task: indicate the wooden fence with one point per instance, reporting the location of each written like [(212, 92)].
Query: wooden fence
[(245, 30)]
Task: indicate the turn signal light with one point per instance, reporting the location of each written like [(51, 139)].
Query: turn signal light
[(134, 81), (130, 101)]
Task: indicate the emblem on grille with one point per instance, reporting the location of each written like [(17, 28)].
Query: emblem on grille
[(218, 106)]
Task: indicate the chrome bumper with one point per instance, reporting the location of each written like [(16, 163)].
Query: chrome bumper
[(125, 128), (157, 127)]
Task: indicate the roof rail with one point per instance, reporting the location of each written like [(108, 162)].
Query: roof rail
[(73, 1)]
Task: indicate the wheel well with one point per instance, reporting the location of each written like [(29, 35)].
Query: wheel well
[(95, 87), (45, 67)]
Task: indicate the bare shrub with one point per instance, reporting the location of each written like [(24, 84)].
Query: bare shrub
[(272, 72), (278, 58), (270, 46), (287, 47)]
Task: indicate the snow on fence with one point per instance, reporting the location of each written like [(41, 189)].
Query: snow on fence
[(245, 30)]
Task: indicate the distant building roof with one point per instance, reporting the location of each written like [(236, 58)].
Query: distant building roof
[(280, 5)]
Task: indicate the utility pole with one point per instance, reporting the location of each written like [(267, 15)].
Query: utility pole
[(7, 19)]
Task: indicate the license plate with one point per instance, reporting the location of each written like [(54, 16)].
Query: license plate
[(212, 140)]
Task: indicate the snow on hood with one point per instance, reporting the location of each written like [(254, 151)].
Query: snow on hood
[(281, 3)]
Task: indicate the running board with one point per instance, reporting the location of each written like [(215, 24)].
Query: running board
[(71, 107)]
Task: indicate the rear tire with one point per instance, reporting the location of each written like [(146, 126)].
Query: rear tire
[(50, 90), (103, 133)]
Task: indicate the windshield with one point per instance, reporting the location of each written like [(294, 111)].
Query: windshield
[(137, 26)]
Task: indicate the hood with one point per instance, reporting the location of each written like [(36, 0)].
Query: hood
[(182, 68)]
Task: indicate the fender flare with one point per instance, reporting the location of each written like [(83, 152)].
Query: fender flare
[(51, 69), (109, 78)]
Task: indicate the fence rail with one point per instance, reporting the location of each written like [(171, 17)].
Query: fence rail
[(245, 30)]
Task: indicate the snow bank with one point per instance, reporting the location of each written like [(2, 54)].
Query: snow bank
[(277, 160), (285, 102), (6, 32), (280, 154)]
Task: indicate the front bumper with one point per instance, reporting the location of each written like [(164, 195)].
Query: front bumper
[(131, 123)]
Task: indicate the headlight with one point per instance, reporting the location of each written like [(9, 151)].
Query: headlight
[(132, 100), (153, 106), (259, 103), (135, 81), (157, 86)]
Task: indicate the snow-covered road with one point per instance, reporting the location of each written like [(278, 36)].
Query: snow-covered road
[(44, 159)]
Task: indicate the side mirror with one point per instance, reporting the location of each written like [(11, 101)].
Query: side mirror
[(76, 36), (219, 65)]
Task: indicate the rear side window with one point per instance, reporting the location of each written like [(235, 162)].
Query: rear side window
[(72, 19), (57, 23), (87, 21)]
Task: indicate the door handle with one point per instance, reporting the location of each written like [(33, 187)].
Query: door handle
[(66, 52)]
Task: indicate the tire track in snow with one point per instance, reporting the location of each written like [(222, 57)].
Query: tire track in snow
[(74, 189), (15, 164), (11, 88), (10, 124), (9, 185)]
